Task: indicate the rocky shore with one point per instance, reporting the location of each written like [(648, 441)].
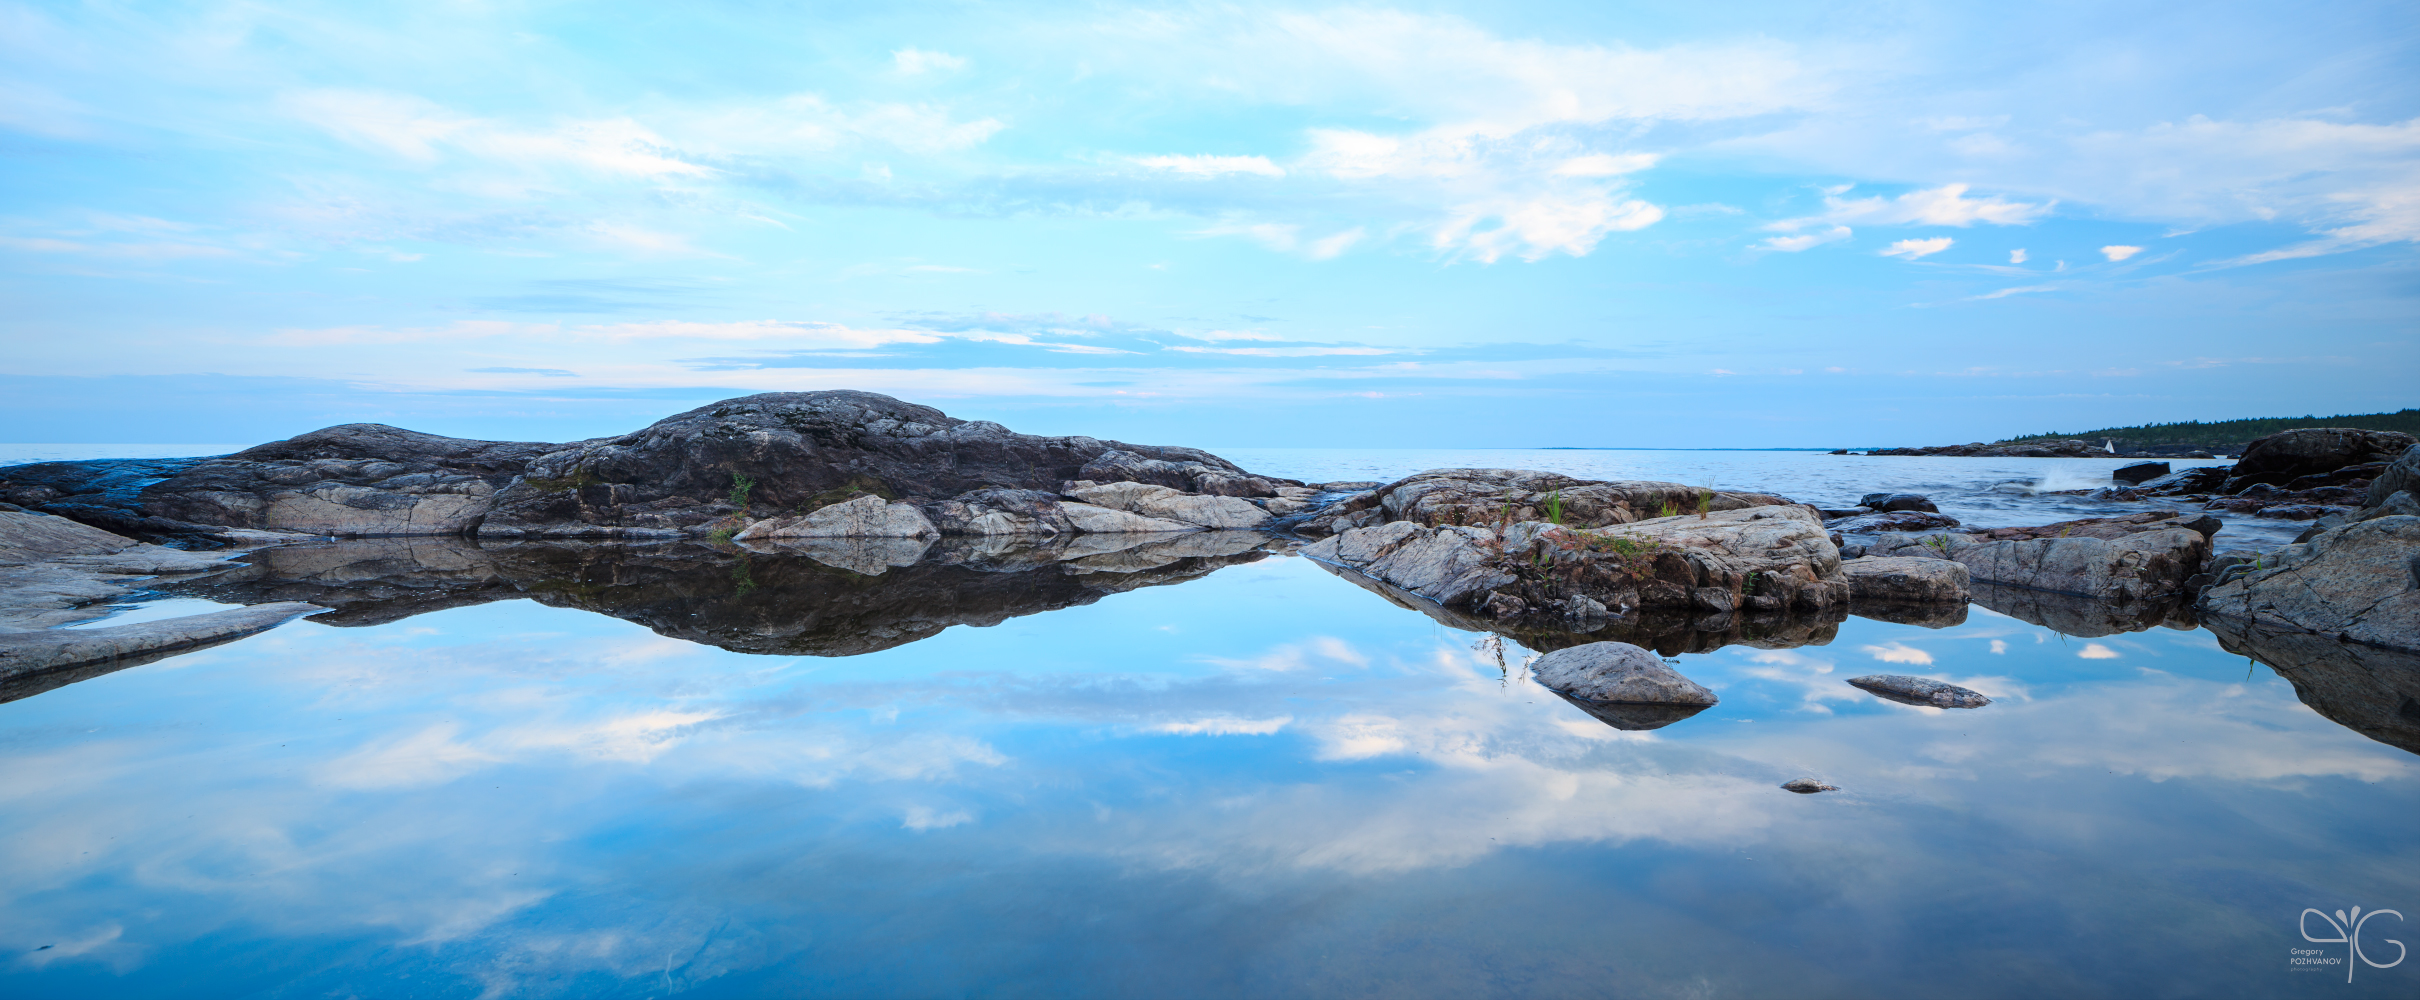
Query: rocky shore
[(834, 523)]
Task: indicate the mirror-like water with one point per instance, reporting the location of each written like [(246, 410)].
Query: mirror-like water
[(1176, 768)]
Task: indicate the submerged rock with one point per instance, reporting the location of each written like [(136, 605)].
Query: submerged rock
[(1808, 786), (1923, 691), (1621, 685), (38, 661)]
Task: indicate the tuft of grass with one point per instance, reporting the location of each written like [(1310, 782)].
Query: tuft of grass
[(740, 485), (1705, 501), (1554, 506), (721, 536), (1669, 509)]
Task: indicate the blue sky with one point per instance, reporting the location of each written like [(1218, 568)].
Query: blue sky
[(1459, 225)]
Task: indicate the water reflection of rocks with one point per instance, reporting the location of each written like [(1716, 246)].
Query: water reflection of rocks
[(837, 597)]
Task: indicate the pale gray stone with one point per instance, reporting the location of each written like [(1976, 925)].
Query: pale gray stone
[(1173, 505), (864, 517), (1094, 519), (1906, 580), (1923, 691), (1617, 672)]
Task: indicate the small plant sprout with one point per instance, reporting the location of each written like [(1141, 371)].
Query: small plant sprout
[(740, 485), (1554, 506), (1705, 501), (1669, 509)]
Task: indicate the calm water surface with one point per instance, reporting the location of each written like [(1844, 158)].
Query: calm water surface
[(1255, 779)]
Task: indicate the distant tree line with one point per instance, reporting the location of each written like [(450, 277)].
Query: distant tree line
[(2235, 433)]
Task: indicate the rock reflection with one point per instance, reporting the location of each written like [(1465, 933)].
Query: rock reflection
[(1667, 633), (2367, 689), (814, 597), (2083, 617)]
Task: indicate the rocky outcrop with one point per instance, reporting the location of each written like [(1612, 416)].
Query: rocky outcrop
[(2105, 527), (1905, 580), (1621, 685), (350, 480), (2138, 473), (1762, 558), (774, 456), (1498, 497), (2358, 583), (1901, 520), (53, 570), (2400, 476), (1921, 691), (2202, 479), (2280, 458), (44, 660), (864, 517), (2115, 559), (1170, 505)]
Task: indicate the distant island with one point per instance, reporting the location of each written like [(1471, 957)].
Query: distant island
[(2192, 438)]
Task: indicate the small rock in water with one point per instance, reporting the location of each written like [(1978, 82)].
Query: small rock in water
[(1923, 691), (1887, 502), (1808, 786), (2139, 472), (1622, 685)]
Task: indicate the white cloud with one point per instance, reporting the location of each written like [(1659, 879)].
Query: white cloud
[(2016, 256), (1225, 725), (1913, 249), (1806, 241), (914, 61), (1536, 227), (1329, 247), (1899, 652), (2117, 253), (1946, 205), (2096, 651), (1212, 166)]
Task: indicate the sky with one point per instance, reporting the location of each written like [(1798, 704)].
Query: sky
[(1484, 225)]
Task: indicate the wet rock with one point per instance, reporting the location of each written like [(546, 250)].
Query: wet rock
[(2358, 583), (1905, 580), (1904, 520), (864, 517), (2279, 458), (1887, 502), (43, 660), (2106, 527), (2400, 476), (1808, 786), (2139, 472), (52, 570), (2300, 512), (1169, 504), (1621, 685), (1923, 691), (2200, 479)]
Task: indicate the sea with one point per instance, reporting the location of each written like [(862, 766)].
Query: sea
[(1195, 776)]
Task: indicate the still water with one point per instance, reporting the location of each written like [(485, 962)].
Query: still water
[(1166, 771)]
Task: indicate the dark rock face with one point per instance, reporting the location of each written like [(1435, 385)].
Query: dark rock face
[(1923, 691), (2400, 476), (2106, 527), (793, 452), (2371, 691), (350, 480), (1898, 501), (2279, 458), (1215, 477), (1903, 520), (2199, 479), (2139, 472)]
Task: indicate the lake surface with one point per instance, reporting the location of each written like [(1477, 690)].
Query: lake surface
[(1213, 770)]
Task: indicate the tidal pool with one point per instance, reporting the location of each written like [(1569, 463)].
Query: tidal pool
[(1201, 769)]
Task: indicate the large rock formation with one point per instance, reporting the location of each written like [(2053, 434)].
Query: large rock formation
[(2280, 458), (53, 570), (1499, 497), (1761, 558), (720, 467), (2400, 476), (2131, 558), (2358, 583)]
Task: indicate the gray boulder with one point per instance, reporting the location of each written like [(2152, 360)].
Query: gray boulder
[(2143, 565), (1621, 685), (2358, 583), (864, 517), (1172, 505), (1905, 580), (2199, 479), (1898, 520), (1923, 691)]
